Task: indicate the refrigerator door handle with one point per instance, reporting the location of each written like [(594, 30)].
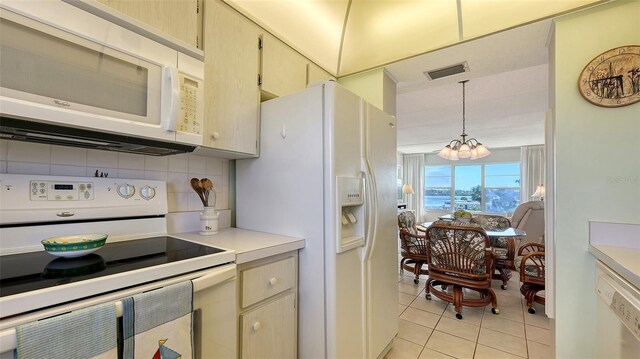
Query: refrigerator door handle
[(370, 209)]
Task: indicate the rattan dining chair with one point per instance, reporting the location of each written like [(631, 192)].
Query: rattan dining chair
[(459, 257)]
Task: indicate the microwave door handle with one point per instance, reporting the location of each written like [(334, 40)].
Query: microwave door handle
[(170, 98)]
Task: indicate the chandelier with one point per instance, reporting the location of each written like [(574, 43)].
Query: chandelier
[(470, 148)]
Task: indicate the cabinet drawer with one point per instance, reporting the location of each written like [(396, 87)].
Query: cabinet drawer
[(270, 331), (264, 281)]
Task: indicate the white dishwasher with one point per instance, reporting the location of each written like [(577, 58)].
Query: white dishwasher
[(618, 315)]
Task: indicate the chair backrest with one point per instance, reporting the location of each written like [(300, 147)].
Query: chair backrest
[(529, 217), (407, 221), (490, 221), (413, 246), (459, 248)]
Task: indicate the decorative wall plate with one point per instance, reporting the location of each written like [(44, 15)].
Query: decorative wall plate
[(612, 79)]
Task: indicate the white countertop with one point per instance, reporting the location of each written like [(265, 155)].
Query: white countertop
[(248, 245), (618, 246), (624, 261)]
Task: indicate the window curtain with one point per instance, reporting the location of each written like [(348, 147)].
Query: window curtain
[(413, 173), (531, 170)]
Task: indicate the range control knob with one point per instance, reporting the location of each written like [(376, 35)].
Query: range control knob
[(147, 192), (126, 190)]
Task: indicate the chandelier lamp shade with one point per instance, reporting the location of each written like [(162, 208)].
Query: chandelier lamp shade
[(471, 148)]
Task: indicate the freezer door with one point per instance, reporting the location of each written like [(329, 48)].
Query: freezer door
[(381, 250)]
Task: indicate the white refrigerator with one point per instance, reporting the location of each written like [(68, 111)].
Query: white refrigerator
[(327, 173)]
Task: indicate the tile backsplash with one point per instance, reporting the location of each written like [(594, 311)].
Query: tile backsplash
[(32, 158)]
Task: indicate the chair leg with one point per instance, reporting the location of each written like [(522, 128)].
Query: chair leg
[(417, 269), (457, 300), (402, 265), (427, 289), (494, 301)]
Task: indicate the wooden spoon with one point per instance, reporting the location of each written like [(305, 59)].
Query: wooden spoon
[(197, 186), (207, 185)]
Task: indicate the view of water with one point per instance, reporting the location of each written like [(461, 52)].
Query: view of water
[(441, 202)]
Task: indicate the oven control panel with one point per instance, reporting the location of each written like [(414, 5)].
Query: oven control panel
[(61, 191), (56, 198)]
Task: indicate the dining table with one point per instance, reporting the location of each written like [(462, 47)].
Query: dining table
[(507, 232)]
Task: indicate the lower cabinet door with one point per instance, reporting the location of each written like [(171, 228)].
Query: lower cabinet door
[(270, 330)]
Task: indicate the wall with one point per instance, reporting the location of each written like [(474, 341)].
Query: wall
[(597, 166), (183, 202), (375, 86)]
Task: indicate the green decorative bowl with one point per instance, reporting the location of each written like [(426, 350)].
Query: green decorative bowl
[(75, 245)]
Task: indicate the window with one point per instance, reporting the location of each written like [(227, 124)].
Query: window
[(502, 187), (437, 187), (491, 187)]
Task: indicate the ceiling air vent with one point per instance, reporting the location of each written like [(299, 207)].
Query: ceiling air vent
[(447, 71)]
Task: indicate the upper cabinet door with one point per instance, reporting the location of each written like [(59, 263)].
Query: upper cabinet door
[(178, 18), (315, 73), (232, 96), (284, 71)]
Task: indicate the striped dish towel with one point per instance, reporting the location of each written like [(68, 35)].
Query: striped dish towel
[(158, 324), (84, 333)]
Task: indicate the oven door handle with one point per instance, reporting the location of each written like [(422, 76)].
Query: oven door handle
[(213, 278)]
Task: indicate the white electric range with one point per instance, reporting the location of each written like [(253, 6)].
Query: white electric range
[(138, 255)]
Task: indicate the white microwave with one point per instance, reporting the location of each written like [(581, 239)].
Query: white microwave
[(63, 67)]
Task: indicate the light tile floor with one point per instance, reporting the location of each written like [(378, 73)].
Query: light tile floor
[(429, 328)]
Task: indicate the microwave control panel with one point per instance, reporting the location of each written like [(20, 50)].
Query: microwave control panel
[(190, 120), (61, 191)]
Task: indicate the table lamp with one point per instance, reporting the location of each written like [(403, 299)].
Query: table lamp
[(538, 193), (407, 189)]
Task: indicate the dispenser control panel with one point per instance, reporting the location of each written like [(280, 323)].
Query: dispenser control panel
[(350, 191)]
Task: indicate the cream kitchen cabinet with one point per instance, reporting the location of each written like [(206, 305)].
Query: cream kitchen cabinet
[(232, 96), (284, 70), (178, 18), (267, 306), (316, 73)]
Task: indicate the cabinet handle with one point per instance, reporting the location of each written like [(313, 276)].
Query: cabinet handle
[(273, 281), (256, 326), (215, 136)]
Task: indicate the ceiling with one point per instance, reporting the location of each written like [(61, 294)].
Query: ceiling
[(350, 36), (506, 96), (503, 42)]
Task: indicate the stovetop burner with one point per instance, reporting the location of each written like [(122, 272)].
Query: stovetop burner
[(26, 272)]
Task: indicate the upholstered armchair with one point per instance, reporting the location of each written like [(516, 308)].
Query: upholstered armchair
[(530, 262), (459, 257), (504, 248), (413, 245), (529, 217)]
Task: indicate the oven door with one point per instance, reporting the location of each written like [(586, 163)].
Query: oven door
[(214, 322)]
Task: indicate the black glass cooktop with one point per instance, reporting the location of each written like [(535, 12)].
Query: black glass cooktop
[(25, 272)]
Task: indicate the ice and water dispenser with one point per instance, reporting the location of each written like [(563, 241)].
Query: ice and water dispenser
[(350, 211)]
